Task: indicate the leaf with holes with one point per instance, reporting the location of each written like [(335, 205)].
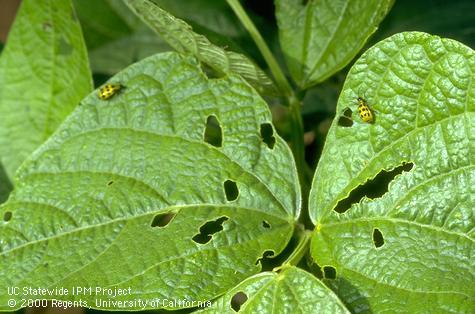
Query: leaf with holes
[(45, 57), (129, 192), (321, 37), (409, 247), (181, 37), (291, 291)]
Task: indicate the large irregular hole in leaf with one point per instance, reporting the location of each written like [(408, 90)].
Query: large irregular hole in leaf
[(162, 220), (374, 188), (265, 257), (7, 216), (329, 272), (231, 190), (238, 300), (213, 133), (208, 229), (378, 239), (267, 134)]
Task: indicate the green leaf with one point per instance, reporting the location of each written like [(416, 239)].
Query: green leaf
[(141, 155), (115, 55), (101, 22), (319, 38), (44, 73), (182, 38), (291, 291), (416, 241), (210, 14), (115, 36)]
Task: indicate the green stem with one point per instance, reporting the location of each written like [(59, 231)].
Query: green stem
[(274, 67), (298, 146), (300, 251)]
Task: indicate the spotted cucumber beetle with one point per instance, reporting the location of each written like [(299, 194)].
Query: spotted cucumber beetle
[(109, 90), (365, 112)]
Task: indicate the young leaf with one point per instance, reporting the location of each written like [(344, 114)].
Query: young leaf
[(127, 193), (181, 37), (416, 241), (321, 37), (44, 73), (291, 291)]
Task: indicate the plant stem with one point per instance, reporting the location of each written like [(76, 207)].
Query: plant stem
[(300, 250), (297, 143), (284, 85)]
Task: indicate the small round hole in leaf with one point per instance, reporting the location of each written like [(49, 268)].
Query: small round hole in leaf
[(329, 272), (231, 190), (238, 300), (347, 112), (213, 133), (265, 224), (378, 239), (7, 216)]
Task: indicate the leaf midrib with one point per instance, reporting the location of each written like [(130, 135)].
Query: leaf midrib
[(395, 220), (169, 208), (355, 178), (171, 136)]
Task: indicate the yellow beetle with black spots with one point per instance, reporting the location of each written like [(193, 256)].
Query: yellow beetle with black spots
[(108, 91), (365, 112)]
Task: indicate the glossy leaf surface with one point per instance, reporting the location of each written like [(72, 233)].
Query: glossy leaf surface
[(129, 193), (415, 240)]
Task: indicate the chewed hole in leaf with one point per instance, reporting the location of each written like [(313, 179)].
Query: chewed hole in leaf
[(231, 190), (110, 183), (208, 229), (347, 112), (238, 300), (265, 256), (7, 216), (373, 188), (345, 120), (265, 224), (378, 239), (213, 134), (329, 272), (162, 220), (267, 135)]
